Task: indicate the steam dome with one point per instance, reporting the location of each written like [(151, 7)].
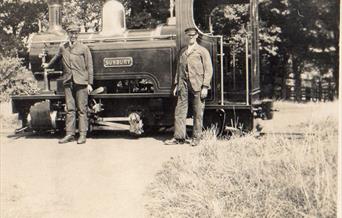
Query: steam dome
[(113, 18)]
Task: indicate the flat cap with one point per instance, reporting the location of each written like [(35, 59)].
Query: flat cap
[(73, 28), (191, 30)]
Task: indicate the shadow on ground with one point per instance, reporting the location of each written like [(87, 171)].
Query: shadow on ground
[(158, 135)]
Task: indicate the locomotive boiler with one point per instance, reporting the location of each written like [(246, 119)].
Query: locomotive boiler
[(134, 71)]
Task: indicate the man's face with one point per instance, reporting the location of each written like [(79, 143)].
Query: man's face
[(192, 37), (73, 35)]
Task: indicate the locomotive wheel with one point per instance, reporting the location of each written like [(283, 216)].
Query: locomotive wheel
[(214, 119)]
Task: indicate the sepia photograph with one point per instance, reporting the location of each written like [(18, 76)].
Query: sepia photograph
[(170, 108)]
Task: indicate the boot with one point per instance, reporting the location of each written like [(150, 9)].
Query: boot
[(66, 139), (82, 139), (194, 142), (174, 141)]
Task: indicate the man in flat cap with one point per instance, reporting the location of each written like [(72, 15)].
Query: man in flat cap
[(193, 78), (77, 80)]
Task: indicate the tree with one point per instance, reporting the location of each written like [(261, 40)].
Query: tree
[(292, 32), (146, 14), (86, 13), (18, 20), (309, 34), (139, 14)]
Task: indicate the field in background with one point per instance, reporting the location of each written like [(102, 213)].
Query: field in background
[(289, 172), (291, 117)]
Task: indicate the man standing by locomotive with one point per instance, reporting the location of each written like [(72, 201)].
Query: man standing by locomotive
[(77, 81), (193, 78)]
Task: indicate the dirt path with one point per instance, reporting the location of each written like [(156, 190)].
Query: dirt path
[(104, 178)]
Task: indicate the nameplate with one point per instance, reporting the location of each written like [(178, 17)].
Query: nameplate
[(118, 62)]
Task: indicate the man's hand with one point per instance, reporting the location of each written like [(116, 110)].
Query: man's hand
[(204, 92), (175, 90), (90, 88), (45, 65)]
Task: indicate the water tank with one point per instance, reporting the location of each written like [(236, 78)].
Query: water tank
[(113, 18)]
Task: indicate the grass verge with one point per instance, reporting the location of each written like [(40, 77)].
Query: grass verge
[(274, 176)]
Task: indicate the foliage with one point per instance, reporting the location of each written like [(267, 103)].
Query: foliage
[(293, 33), (8, 120), (18, 19), (139, 14), (232, 22), (146, 14), (274, 176), (15, 79), (309, 34), (86, 13)]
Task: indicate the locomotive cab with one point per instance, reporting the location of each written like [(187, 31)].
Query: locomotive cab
[(234, 100)]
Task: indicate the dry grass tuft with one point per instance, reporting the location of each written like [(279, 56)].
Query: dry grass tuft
[(8, 120), (275, 176)]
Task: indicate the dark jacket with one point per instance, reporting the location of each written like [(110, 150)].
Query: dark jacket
[(195, 67), (77, 63)]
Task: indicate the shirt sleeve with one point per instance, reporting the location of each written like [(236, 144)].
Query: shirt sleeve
[(89, 65), (207, 67)]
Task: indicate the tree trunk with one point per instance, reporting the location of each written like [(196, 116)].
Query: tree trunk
[(297, 77), (336, 73), (287, 75), (336, 69)]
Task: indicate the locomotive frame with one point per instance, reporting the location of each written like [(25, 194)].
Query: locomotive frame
[(133, 74)]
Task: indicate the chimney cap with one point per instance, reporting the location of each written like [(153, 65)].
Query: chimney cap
[(53, 2)]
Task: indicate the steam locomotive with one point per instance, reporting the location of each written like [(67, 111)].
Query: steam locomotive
[(134, 70)]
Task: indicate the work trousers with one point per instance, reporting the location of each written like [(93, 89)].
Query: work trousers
[(76, 98), (186, 93)]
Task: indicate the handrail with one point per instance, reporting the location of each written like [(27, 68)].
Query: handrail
[(220, 37), (221, 68), (108, 39), (247, 71)]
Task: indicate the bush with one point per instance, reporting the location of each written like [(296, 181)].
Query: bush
[(15, 79), (8, 120), (275, 176)]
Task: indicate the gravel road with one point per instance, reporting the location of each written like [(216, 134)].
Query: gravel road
[(106, 177)]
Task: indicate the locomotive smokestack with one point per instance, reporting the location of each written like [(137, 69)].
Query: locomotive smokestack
[(55, 17), (172, 19)]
